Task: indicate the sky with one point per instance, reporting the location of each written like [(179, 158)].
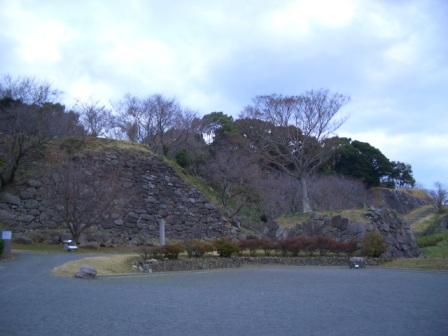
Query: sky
[(390, 57)]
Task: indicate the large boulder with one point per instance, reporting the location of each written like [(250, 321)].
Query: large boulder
[(396, 232), (86, 272)]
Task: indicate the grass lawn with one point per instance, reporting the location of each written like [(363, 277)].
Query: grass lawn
[(105, 265), (37, 247), (440, 250)]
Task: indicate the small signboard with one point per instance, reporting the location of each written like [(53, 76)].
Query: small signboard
[(6, 235)]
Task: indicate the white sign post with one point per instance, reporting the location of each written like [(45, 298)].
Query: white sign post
[(162, 232), (6, 237)]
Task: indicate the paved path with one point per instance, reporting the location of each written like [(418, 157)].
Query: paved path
[(260, 301)]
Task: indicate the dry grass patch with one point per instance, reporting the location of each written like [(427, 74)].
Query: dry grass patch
[(99, 144), (427, 225), (419, 263), (419, 214), (105, 265), (289, 221), (417, 193), (354, 215)]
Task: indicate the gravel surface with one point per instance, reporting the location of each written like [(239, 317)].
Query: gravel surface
[(250, 301)]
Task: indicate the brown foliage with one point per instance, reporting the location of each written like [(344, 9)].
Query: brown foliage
[(197, 248), (172, 251)]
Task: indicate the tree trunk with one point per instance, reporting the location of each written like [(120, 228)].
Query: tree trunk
[(76, 234), (305, 198)]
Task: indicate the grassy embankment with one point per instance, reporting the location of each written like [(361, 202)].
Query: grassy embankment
[(105, 265), (431, 238), (419, 263)]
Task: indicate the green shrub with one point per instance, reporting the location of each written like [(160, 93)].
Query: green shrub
[(432, 240), (1, 246), (373, 244), (197, 248), (226, 247), (183, 158), (172, 251)]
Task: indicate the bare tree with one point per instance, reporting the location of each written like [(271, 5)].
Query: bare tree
[(96, 118), (230, 172), (156, 121), (80, 198), (25, 126), (184, 129), (130, 118), (294, 135), (350, 193), (278, 193), (439, 196), (166, 113), (28, 90)]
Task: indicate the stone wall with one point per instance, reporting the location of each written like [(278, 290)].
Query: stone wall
[(148, 190), (195, 264)]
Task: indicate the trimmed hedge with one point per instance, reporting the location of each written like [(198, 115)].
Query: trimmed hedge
[(170, 251), (226, 248), (197, 248), (1, 246), (296, 245)]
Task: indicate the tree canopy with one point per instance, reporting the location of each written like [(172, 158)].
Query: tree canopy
[(362, 160)]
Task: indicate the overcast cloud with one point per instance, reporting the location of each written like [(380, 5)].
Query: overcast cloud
[(391, 57)]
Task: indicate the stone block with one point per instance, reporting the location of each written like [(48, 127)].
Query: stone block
[(86, 272), (10, 198), (31, 204)]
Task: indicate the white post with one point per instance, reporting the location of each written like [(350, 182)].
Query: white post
[(6, 237), (162, 232)]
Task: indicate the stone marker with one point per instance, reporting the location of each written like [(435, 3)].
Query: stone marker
[(86, 272), (357, 262)]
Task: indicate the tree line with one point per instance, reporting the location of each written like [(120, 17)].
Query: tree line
[(280, 154)]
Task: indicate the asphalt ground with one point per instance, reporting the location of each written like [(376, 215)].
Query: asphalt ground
[(249, 301)]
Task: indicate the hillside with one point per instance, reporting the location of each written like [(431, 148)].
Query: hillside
[(146, 189), (393, 213), (431, 229)]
